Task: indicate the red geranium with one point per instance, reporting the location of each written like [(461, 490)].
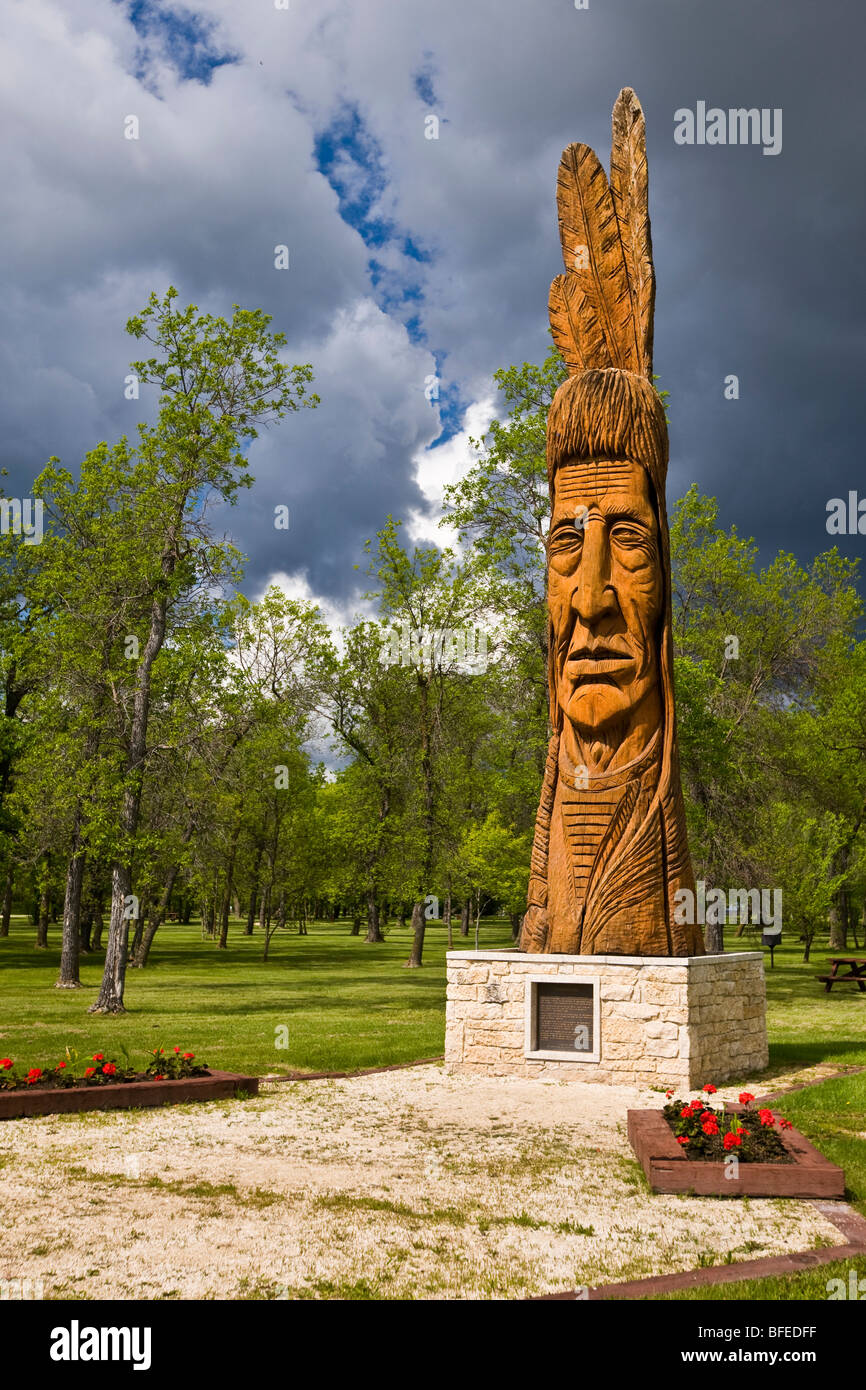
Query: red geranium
[(682, 1139), (746, 1097), (33, 1075), (60, 1066), (766, 1117), (710, 1090), (177, 1049), (732, 1141), (109, 1069), (159, 1077), (88, 1071), (786, 1124), (99, 1056), (710, 1127), (188, 1056), (5, 1063)]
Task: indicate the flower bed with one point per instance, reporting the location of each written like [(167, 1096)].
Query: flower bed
[(736, 1152), (711, 1135), (99, 1071), (104, 1084)]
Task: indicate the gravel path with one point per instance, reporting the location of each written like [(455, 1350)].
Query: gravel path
[(406, 1184)]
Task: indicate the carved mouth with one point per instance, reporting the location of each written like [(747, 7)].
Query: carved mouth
[(600, 662)]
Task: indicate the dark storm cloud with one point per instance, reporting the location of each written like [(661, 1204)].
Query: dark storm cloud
[(409, 255)]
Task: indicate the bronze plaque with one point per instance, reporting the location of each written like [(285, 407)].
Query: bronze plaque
[(564, 1018)]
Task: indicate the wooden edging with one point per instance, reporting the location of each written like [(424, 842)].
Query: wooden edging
[(124, 1095), (848, 1221), (668, 1169)]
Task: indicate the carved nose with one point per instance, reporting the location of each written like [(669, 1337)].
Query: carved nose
[(593, 597)]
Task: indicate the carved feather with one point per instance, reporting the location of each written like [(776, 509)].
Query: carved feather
[(598, 297), (629, 186), (575, 326)]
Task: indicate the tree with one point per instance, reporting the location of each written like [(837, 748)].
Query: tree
[(218, 381)]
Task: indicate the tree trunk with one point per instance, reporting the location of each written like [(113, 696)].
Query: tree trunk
[(448, 918), (464, 918), (356, 925), (154, 921), (373, 932), (98, 926), (139, 933), (714, 938), (251, 913), (419, 922), (7, 904), (266, 920), (516, 922), (227, 900), (71, 945), (110, 997), (840, 907), (42, 925)]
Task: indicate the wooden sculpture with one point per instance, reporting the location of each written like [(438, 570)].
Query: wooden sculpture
[(610, 849)]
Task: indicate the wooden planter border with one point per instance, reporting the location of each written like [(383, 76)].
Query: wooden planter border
[(668, 1169), (124, 1095)]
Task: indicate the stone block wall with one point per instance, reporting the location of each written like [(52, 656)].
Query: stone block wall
[(674, 1021)]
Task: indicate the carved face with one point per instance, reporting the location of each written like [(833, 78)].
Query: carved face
[(605, 593)]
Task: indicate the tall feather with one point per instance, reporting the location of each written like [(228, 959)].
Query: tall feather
[(575, 325), (629, 186), (596, 289)]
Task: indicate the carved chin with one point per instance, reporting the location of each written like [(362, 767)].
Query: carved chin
[(595, 705)]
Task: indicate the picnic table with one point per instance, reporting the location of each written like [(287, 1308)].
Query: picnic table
[(855, 974)]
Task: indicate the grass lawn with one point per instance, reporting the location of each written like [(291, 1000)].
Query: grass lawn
[(348, 1005), (808, 1284), (345, 1004)]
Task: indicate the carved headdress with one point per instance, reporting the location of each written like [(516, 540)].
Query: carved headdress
[(601, 317)]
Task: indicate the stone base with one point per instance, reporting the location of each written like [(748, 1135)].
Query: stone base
[(659, 1020)]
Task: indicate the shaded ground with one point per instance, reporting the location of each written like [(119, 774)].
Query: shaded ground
[(400, 1185)]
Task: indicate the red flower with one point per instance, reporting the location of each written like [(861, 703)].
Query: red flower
[(668, 1095), (60, 1066), (109, 1069), (5, 1063), (786, 1124), (732, 1141), (682, 1139), (710, 1127), (188, 1056), (177, 1049), (99, 1056), (33, 1075), (686, 1114), (766, 1117), (745, 1097), (159, 1077), (710, 1090), (88, 1071)]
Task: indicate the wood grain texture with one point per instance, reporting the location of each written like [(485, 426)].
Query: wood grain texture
[(629, 186), (596, 286)]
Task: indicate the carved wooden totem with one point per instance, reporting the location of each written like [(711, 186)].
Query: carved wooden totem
[(610, 848)]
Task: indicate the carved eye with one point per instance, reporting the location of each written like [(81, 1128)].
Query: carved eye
[(625, 534)]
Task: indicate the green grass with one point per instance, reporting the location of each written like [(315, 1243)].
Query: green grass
[(805, 1024), (808, 1284), (346, 1004), (833, 1116)]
